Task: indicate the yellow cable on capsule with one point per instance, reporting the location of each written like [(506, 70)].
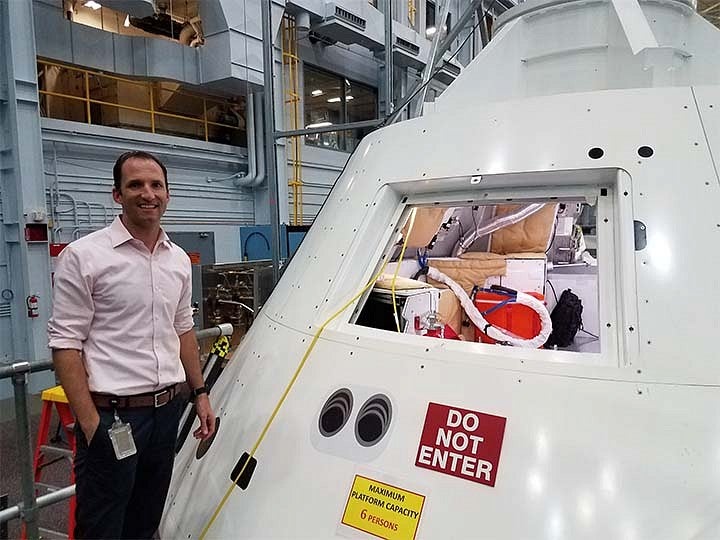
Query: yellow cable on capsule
[(397, 269), (289, 386)]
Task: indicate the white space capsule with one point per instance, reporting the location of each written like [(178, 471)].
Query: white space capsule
[(578, 151)]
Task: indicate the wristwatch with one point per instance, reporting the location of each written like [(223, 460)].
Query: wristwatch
[(198, 391)]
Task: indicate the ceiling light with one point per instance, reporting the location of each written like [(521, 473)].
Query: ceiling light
[(317, 92), (334, 100), (127, 21), (318, 125), (92, 4), (430, 31)]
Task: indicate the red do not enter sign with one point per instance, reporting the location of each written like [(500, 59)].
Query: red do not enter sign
[(462, 443)]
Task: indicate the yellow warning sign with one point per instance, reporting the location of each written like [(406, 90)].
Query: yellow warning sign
[(383, 510), (221, 347)]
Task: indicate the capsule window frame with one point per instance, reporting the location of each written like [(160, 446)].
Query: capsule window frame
[(608, 188)]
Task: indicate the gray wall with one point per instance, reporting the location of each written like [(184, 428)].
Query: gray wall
[(78, 162)]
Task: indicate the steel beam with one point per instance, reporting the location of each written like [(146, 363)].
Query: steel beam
[(433, 58), (22, 187), (635, 25), (30, 511), (482, 25), (328, 129), (270, 153), (460, 25), (389, 61)]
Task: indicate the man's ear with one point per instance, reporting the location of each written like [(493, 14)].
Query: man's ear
[(117, 196)]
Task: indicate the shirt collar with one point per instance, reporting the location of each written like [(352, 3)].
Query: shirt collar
[(119, 234)]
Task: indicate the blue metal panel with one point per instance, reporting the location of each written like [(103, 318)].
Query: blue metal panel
[(255, 241), (26, 264)]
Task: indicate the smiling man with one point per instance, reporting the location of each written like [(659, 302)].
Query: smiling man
[(123, 342)]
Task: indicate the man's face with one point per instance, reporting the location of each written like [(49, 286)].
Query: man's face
[(143, 193)]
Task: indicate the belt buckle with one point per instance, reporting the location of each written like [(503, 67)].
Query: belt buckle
[(157, 396)]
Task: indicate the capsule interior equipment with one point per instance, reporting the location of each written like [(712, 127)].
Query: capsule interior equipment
[(492, 252)]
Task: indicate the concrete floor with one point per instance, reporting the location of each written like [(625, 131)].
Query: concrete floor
[(53, 517)]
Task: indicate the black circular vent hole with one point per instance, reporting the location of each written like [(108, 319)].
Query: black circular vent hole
[(596, 153), (373, 420), (332, 420), (370, 428), (335, 413), (645, 151)]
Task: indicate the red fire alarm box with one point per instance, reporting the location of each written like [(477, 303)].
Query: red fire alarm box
[(36, 232)]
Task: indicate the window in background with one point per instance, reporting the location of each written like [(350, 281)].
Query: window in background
[(178, 21), (88, 96), (430, 27), (431, 18), (331, 99)]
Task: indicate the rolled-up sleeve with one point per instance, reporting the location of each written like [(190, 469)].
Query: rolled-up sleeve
[(73, 307), (183, 315)]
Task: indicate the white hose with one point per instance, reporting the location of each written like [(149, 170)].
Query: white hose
[(492, 331), (497, 224)]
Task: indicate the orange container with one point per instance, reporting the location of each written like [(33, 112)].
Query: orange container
[(517, 319)]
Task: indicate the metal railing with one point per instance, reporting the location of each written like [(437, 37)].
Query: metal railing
[(291, 68), (27, 510), (150, 87)]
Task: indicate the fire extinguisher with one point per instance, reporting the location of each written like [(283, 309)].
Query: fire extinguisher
[(32, 306)]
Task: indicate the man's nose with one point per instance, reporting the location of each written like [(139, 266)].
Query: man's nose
[(147, 192)]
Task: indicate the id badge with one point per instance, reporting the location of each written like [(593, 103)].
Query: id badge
[(122, 439)]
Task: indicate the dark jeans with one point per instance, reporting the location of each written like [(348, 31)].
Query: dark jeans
[(125, 498)]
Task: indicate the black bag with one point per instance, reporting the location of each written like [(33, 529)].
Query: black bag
[(566, 320)]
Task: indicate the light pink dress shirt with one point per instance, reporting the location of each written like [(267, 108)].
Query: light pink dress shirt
[(124, 308)]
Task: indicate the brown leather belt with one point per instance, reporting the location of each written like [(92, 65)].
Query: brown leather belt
[(149, 399)]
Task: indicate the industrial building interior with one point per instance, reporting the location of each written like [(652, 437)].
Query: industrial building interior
[(252, 155)]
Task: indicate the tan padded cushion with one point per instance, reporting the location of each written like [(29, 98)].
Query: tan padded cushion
[(427, 223), (401, 283), (473, 269), (529, 235), (450, 310)]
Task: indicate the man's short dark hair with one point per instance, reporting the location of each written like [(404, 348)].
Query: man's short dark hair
[(135, 154)]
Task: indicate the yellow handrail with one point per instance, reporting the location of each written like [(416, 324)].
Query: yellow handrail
[(86, 73), (152, 108), (411, 12), (292, 102), (87, 93), (123, 79)]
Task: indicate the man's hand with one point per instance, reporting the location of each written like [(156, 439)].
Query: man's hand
[(206, 416), (70, 369), (90, 427)]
